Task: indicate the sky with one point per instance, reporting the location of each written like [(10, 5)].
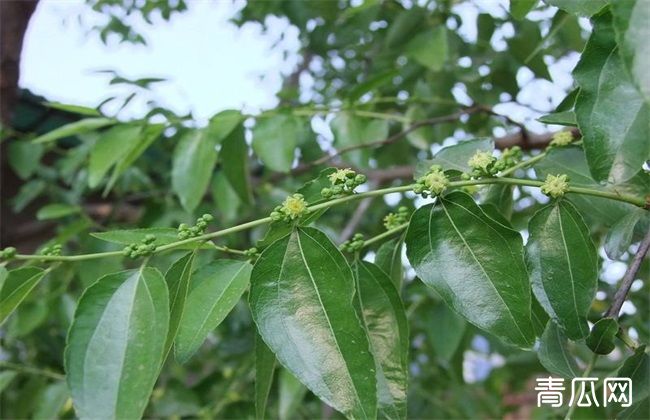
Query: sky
[(223, 66)]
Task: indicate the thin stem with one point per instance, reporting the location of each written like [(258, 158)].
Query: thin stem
[(32, 370), (226, 249), (628, 278), (341, 200), (586, 374), (626, 339), (385, 235), (524, 164)]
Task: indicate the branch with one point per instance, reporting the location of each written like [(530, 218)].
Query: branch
[(637, 201), (356, 218), (628, 278)]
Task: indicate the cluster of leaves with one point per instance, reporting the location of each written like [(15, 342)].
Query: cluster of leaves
[(366, 338)]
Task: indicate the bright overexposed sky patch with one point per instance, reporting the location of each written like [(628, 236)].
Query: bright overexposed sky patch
[(210, 63)]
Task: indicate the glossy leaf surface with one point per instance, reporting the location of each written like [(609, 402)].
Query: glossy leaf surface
[(563, 266), (389, 260), (631, 19), (215, 290), (554, 353), (178, 279), (116, 344), (601, 337), (475, 263), (301, 298), (383, 317), (611, 113)]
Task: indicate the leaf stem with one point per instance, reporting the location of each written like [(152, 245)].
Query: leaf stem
[(32, 370), (385, 235), (524, 164), (637, 201), (586, 374)]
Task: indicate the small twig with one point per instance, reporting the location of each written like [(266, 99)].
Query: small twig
[(628, 278), (395, 137), (356, 218), (32, 370)]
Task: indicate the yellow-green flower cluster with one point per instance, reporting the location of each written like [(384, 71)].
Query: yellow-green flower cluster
[(562, 138), (143, 249), (482, 164), (432, 183), (394, 220), (185, 231), (293, 207), (344, 181), (353, 245), (555, 185)]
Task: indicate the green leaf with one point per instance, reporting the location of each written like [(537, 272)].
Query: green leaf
[(563, 265), (301, 299), (264, 370), (350, 131), (292, 393), (430, 48), (178, 279), (566, 118), (215, 290), (631, 19), (192, 166), (619, 237), (275, 139), (404, 26), (24, 157), (500, 197), (75, 109), (554, 353), (389, 260), (611, 113), (476, 265), (51, 400), (637, 368), (112, 146), (526, 48), (148, 135), (383, 316), (455, 157), (15, 288), (5, 378), (116, 344), (56, 211), (234, 162), (223, 123), (579, 7), (520, 8), (72, 129), (225, 198), (601, 338), (571, 161), (163, 236), (446, 331)]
